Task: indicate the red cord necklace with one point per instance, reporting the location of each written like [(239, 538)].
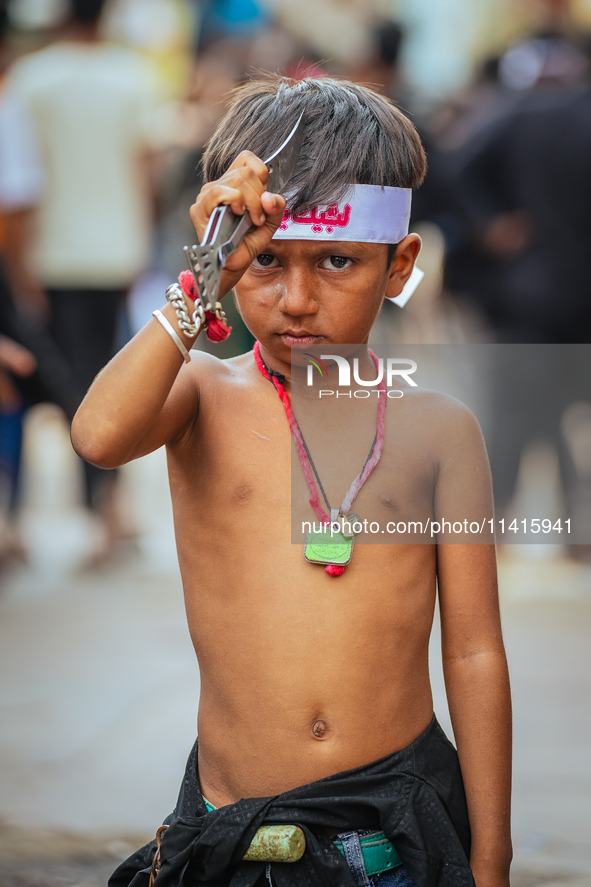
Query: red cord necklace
[(328, 546)]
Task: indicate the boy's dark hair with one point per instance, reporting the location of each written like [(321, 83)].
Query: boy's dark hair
[(86, 12), (353, 136)]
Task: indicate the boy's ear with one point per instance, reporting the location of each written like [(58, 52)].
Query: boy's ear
[(402, 264)]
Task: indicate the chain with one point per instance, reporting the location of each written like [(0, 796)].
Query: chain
[(190, 326), (219, 311)]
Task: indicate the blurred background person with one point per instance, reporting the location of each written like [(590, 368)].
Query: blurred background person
[(87, 231), (34, 370), (521, 185), (15, 362), (163, 31), (380, 68), (523, 182)]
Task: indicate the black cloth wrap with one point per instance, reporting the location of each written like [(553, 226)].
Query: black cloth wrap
[(416, 796)]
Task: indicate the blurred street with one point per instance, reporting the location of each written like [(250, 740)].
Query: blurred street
[(99, 689)]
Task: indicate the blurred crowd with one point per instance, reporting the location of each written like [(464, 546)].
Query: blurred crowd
[(105, 108)]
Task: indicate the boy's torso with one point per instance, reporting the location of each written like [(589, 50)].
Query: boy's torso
[(302, 675)]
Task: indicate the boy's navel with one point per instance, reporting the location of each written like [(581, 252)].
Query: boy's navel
[(320, 729)]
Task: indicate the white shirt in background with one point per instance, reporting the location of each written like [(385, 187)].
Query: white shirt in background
[(22, 176), (94, 112)]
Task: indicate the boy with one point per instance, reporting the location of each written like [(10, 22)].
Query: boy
[(315, 706)]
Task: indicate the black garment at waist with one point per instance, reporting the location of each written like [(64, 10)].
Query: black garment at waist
[(415, 796)]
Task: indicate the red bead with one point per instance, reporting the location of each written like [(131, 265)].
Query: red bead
[(334, 570)]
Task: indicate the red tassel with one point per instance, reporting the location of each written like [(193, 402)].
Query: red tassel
[(334, 570), (216, 331), (187, 283)]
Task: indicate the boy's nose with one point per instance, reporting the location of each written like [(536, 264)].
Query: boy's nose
[(298, 294)]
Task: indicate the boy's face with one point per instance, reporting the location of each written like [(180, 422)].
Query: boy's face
[(303, 292)]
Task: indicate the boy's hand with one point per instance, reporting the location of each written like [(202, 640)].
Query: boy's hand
[(242, 188)]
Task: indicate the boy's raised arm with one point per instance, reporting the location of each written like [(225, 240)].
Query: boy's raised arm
[(140, 400), (474, 662)]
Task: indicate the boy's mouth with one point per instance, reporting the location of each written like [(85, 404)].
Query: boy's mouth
[(292, 339)]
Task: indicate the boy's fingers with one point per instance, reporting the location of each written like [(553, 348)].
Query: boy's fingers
[(254, 243), (273, 204), (210, 197), (247, 158), (246, 180), (252, 198), (243, 196), (242, 188), (257, 240)]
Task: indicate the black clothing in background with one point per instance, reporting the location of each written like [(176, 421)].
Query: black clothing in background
[(534, 160), (415, 796), (83, 325), (52, 381)]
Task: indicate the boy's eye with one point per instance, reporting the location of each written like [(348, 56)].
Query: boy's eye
[(264, 260), (337, 263)]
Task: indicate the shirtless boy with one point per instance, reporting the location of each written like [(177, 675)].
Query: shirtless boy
[(306, 677)]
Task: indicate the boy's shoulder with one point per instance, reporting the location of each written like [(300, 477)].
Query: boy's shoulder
[(215, 375), (208, 389), (434, 404), (438, 420), (228, 368)]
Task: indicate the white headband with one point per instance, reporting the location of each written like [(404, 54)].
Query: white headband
[(368, 214)]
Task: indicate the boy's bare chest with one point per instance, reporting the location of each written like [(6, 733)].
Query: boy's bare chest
[(241, 466), (239, 500)]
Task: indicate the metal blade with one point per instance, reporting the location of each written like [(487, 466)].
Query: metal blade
[(282, 163), (206, 269)]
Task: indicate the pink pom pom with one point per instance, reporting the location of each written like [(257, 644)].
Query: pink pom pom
[(187, 283), (334, 570), (216, 330)]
